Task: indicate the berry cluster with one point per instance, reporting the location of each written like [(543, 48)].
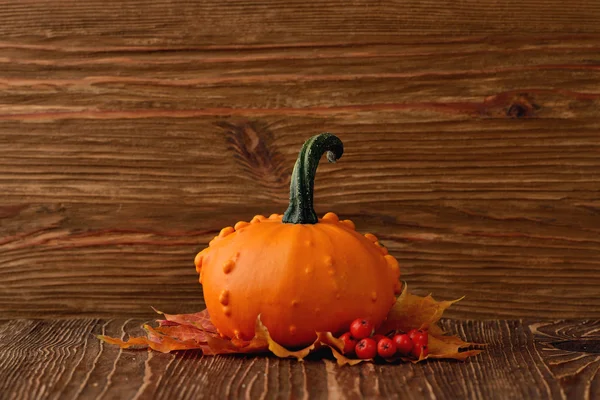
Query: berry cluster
[(361, 341)]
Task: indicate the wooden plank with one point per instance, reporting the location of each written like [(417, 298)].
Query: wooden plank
[(130, 134), (572, 354), (290, 20), (62, 359), (549, 77), (107, 223)]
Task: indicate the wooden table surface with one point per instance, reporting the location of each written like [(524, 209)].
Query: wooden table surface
[(524, 360), (131, 132)]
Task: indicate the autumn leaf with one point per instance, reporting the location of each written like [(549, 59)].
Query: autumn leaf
[(154, 340), (277, 349), (199, 320), (337, 349), (449, 347), (416, 312), (411, 311), (196, 331)]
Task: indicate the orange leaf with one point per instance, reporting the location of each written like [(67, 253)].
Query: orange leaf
[(196, 331), (337, 348), (135, 341), (155, 340), (163, 342), (328, 339), (416, 312), (277, 349), (181, 332), (177, 332), (219, 345), (411, 311), (343, 360), (449, 347), (200, 320)]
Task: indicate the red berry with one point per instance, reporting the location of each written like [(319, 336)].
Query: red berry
[(349, 342), (413, 332), (403, 344), (386, 347), (416, 335), (366, 348), (418, 349), (421, 339), (361, 328), (377, 337)]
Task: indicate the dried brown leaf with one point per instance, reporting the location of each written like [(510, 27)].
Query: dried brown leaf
[(416, 312), (411, 311), (196, 331), (343, 360)]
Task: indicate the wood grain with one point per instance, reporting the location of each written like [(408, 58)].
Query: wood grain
[(572, 354), (131, 133), (246, 21), (45, 359)]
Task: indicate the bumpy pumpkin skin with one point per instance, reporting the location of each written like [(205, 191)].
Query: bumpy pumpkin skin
[(300, 278)]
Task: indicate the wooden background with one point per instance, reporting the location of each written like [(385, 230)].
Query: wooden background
[(519, 363), (131, 132)]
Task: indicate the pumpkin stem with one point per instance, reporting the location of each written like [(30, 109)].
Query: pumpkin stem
[(300, 210)]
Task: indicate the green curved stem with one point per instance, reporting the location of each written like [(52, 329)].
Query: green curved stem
[(300, 210)]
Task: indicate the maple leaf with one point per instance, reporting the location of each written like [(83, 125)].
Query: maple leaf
[(415, 312), (199, 320), (196, 331)]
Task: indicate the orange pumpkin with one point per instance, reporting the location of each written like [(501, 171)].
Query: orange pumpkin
[(301, 274)]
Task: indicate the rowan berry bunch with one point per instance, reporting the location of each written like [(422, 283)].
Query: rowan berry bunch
[(362, 342)]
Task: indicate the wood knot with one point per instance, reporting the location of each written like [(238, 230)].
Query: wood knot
[(516, 111), (522, 106), (253, 146)]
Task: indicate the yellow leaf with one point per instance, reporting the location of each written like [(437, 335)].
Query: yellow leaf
[(343, 360), (196, 331), (449, 347), (416, 312), (280, 351)]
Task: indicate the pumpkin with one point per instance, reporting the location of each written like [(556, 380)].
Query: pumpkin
[(299, 273)]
